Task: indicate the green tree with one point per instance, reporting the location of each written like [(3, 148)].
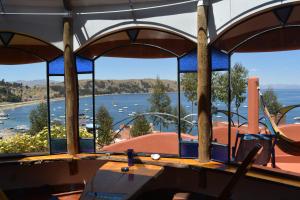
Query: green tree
[(239, 76), (160, 102), (184, 126), (38, 118), (140, 126), (105, 121), (271, 101), (189, 85), (189, 82)]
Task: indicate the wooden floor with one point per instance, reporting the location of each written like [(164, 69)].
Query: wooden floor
[(42, 193)]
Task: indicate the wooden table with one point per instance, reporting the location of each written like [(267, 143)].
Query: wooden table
[(110, 183)]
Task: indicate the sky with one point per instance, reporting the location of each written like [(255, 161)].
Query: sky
[(272, 68)]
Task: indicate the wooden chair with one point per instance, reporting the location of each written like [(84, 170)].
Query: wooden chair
[(241, 171), (227, 191)]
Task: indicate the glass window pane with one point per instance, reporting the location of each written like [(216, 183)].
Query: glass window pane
[(23, 109)]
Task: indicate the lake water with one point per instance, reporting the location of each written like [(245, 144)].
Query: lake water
[(129, 103)]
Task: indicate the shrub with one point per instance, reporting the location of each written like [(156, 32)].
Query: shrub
[(28, 143)]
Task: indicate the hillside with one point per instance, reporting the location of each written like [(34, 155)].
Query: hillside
[(20, 91), (123, 86)]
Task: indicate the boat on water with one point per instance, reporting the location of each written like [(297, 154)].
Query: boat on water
[(21, 128), (1, 122), (3, 116), (296, 118)]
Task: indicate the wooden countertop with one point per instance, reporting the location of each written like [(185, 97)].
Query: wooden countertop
[(111, 181), (261, 173)]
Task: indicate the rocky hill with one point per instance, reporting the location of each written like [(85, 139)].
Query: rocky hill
[(20, 91), (123, 86)]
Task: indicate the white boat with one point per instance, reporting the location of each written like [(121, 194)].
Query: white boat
[(3, 114), (1, 122), (219, 116), (135, 104), (4, 118), (120, 111), (130, 114), (187, 106), (21, 128), (115, 105), (245, 106), (296, 118), (125, 107), (86, 109), (62, 116)]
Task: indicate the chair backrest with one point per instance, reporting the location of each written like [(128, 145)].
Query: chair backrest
[(240, 172), (248, 141)]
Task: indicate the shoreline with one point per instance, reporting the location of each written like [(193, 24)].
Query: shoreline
[(8, 106)]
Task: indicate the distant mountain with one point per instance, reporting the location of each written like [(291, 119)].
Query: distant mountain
[(114, 86), (280, 86), (123, 86), (31, 83)]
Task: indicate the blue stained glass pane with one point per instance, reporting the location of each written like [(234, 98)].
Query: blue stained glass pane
[(56, 66), (219, 60), (188, 62), (84, 65)]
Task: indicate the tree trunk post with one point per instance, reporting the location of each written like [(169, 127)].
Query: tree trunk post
[(71, 88), (204, 86)]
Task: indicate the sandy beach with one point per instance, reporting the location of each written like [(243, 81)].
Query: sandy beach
[(7, 106)]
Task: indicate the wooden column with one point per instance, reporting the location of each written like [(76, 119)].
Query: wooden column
[(204, 87), (71, 89)]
